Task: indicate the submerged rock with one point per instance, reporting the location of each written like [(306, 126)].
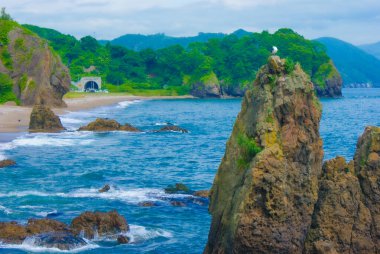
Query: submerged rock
[(59, 240), (265, 189), (122, 239), (172, 128), (43, 119), (7, 163), (177, 188), (202, 193), (146, 204), (177, 203), (104, 124), (101, 223), (105, 188)]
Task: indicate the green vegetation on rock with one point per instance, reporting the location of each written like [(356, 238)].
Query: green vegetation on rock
[(249, 148), (6, 93)]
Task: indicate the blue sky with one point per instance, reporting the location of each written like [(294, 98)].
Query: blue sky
[(354, 21)]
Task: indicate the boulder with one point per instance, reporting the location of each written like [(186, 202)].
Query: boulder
[(43, 119), (7, 163), (101, 223), (105, 188), (177, 188), (122, 239), (172, 128), (12, 233), (59, 240), (264, 193), (39, 226), (202, 193), (104, 124)]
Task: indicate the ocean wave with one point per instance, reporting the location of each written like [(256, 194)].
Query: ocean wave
[(164, 123), (5, 210), (133, 196), (140, 233), (125, 104), (28, 245), (68, 120)]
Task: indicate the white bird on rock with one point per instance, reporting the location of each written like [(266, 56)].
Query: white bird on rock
[(274, 50)]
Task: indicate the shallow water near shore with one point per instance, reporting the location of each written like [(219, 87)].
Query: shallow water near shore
[(58, 175)]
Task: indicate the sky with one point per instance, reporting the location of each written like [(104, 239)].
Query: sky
[(357, 22)]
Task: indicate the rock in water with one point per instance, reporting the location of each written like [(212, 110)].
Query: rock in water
[(43, 119), (173, 128), (105, 188), (7, 163), (265, 189), (12, 233), (103, 224), (202, 193), (121, 239), (59, 240), (104, 124), (177, 188)]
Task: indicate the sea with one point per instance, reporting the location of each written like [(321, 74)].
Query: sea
[(58, 175)]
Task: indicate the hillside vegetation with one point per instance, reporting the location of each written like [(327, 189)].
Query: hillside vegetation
[(229, 63)]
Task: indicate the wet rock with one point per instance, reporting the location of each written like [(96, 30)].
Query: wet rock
[(59, 240), (7, 163), (202, 193), (104, 124), (102, 223), (121, 239), (12, 233), (263, 195), (173, 128), (38, 226), (146, 204), (43, 119), (177, 188), (105, 188), (177, 203)]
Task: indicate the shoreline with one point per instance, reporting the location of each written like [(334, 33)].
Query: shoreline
[(15, 119)]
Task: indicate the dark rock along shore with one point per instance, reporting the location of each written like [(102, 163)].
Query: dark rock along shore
[(270, 194)]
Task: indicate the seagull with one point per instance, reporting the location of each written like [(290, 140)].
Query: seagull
[(274, 50)]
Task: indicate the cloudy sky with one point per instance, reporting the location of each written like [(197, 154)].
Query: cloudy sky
[(354, 21)]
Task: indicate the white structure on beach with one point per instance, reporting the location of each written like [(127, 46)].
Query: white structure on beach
[(89, 84)]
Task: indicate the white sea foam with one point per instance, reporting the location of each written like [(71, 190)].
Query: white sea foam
[(125, 104), (68, 120), (5, 210), (132, 196), (140, 233), (28, 245), (45, 213)]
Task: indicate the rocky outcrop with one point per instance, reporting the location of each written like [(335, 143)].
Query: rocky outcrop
[(271, 194), (202, 193), (177, 188), (332, 85), (264, 193), (99, 223), (207, 87), (104, 124), (105, 188), (341, 222), (7, 163), (54, 234), (172, 128), (38, 74), (43, 119)]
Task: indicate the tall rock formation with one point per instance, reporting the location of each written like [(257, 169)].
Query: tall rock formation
[(271, 193), (264, 193), (43, 119), (38, 75)]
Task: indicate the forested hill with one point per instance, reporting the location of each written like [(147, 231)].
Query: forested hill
[(355, 65), (218, 67), (373, 49), (139, 42)]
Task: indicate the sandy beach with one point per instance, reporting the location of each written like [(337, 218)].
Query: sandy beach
[(16, 118)]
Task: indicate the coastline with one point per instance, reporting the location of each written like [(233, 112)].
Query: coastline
[(15, 119)]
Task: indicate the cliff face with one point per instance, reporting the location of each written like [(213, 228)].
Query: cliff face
[(264, 192), (271, 193), (38, 75), (331, 86)]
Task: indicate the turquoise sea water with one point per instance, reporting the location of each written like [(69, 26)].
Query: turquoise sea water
[(58, 175)]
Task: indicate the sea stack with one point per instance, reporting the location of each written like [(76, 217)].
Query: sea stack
[(43, 119), (271, 193), (265, 189)]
